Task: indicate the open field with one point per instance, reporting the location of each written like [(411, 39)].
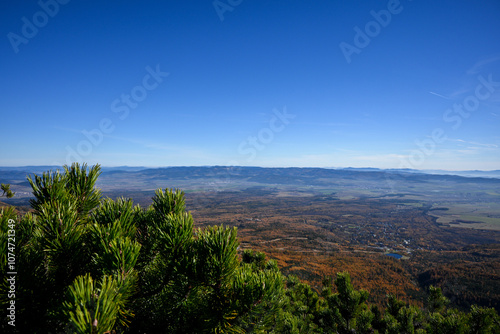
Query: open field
[(478, 215)]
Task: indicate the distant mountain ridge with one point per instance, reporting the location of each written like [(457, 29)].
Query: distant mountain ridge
[(464, 173), (15, 173), (41, 169)]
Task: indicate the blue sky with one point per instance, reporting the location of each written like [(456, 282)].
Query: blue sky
[(388, 84)]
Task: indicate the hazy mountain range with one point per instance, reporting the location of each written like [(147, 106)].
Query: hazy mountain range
[(464, 173)]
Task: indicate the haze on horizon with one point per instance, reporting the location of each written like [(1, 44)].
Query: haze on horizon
[(385, 84)]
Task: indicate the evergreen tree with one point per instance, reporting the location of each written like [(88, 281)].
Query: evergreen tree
[(302, 309), (347, 310), (6, 192), (436, 301)]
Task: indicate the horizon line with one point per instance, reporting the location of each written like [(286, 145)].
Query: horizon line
[(255, 166)]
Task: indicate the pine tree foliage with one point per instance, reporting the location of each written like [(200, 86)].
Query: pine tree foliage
[(6, 192), (436, 302), (347, 305), (87, 264), (95, 308)]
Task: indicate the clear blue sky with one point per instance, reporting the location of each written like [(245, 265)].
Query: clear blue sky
[(386, 84)]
